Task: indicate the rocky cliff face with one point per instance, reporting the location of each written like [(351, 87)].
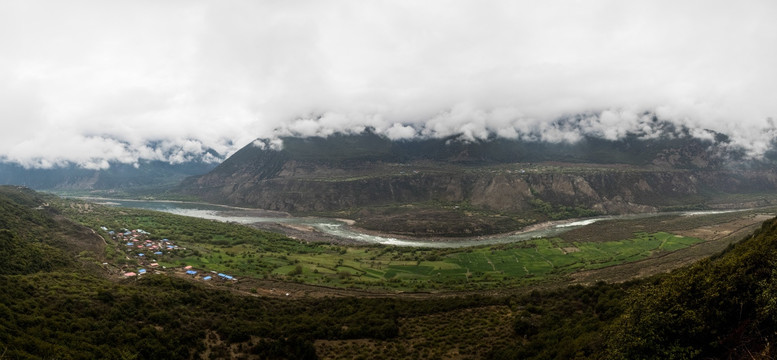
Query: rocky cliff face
[(602, 190), (494, 180)]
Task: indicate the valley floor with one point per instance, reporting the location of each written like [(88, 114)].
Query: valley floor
[(717, 235), (291, 299), (714, 231)]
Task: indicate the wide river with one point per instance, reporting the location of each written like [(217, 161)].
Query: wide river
[(340, 229)]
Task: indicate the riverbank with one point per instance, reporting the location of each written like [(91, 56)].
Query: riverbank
[(334, 231)]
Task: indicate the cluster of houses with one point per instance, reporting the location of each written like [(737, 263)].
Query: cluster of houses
[(207, 276), (139, 244)]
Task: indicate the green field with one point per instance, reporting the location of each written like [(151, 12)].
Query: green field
[(245, 252), (481, 267)]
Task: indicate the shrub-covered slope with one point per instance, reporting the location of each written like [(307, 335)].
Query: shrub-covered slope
[(724, 307), (29, 234)]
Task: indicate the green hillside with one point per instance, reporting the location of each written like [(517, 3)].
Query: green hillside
[(724, 307), (59, 302), (28, 233)]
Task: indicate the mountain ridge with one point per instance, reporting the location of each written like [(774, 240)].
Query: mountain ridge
[(153, 175), (393, 185)]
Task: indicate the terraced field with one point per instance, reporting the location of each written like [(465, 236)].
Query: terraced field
[(423, 269), (254, 254)]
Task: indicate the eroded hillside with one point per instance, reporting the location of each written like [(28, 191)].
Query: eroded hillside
[(412, 187)]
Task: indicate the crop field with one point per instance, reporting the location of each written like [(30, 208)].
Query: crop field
[(244, 252), (424, 269)]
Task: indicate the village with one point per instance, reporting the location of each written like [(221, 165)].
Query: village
[(140, 246)]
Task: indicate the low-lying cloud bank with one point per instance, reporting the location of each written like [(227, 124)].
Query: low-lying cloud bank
[(472, 125), (98, 152), (91, 82)]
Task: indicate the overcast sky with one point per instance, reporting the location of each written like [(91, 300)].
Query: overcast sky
[(95, 81)]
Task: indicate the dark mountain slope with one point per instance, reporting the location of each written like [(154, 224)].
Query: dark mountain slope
[(371, 178), (340, 150)]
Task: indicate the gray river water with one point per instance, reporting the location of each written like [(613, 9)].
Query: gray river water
[(342, 230)]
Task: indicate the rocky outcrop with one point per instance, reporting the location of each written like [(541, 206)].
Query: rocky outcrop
[(602, 190), (346, 173)]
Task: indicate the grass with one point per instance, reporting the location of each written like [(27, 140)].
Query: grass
[(245, 252), (422, 269)]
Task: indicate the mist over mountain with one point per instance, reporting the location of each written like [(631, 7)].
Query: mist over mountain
[(469, 125), (201, 75), (449, 179), (671, 148), (572, 139), (159, 165), (118, 176)]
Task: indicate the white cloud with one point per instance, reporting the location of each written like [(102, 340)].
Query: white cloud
[(398, 131), (93, 81)]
